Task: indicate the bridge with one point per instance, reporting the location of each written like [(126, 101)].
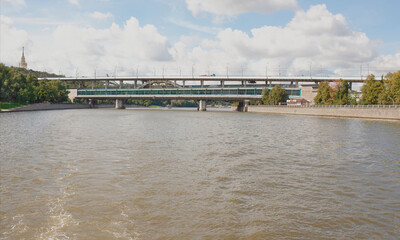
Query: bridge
[(202, 95), (201, 88), (201, 80)]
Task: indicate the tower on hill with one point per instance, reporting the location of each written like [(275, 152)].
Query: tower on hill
[(22, 63)]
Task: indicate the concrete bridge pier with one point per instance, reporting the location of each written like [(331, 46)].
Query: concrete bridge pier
[(119, 104), (243, 106), (202, 105), (92, 103)]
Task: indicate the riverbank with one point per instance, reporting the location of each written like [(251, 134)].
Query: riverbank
[(47, 106), (374, 112)]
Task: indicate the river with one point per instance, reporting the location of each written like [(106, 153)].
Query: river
[(166, 174)]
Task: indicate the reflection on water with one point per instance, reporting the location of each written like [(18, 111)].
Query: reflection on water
[(138, 174)]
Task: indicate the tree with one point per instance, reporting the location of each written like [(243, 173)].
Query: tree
[(13, 83), (372, 91), (391, 92), (4, 72), (265, 95), (19, 85), (277, 95), (324, 94), (340, 92), (42, 95)]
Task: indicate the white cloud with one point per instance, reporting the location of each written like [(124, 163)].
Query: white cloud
[(386, 62), (74, 2), (100, 16), (11, 41), (230, 8), (315, 36), (71, 47), (85, 48)]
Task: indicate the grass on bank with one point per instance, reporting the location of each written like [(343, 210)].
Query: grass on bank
[(8, 105)]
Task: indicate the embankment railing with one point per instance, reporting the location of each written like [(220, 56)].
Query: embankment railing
[(336, 106)]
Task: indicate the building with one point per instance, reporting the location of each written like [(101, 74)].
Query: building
[(309, 92), (22, 63)]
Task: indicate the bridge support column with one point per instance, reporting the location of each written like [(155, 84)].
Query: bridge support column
[(184, 83), (92, 103), (119, 104), (135, 83), (202, 83), (120, 84), (222, 83), (350, 85), (202, 105), (243, 106)]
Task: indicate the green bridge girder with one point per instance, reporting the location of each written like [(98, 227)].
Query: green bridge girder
[(292, 92)]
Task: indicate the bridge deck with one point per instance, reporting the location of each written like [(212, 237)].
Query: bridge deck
[(212, 79), (191, 93)]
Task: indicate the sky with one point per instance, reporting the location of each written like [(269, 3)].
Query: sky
[(196, 37)]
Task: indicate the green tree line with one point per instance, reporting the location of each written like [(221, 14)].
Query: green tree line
[(20, 87), (274, 96), (384, 91), (337, 95)]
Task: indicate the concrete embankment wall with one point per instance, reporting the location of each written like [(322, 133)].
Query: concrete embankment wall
[(356, 112), (47, 106)]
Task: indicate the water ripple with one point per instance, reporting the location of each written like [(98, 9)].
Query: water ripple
[(137, 174)]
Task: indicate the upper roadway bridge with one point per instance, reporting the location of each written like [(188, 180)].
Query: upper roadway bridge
[(221, 79)]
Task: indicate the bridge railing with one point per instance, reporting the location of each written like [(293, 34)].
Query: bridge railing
[(180, 91), (358, 106), (336, 106)]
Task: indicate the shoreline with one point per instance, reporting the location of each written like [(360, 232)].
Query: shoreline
[(46, 107), (67, 106), (366, 112), (375, 112)]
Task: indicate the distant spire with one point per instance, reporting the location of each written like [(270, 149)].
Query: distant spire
[(22, 63)]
